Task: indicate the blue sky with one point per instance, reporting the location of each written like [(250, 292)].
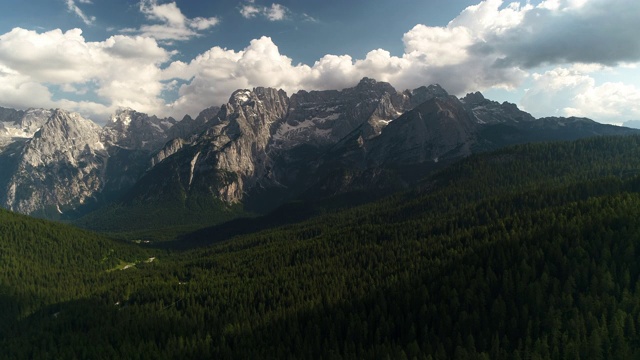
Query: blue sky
[(170, 58)]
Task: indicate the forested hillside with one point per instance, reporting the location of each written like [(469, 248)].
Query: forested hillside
[(44, 263), (528, 252)]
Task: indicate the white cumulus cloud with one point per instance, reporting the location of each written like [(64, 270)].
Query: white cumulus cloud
[(171, 24), (125, 70), (250, 11), (275, 12), (574, 91)]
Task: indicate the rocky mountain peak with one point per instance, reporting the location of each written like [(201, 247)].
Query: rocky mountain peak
[(20, 125), (208, 114), (425, 93), (366, 82), (254, 110), (367, 85), (438, 128), (33, 120), (131, 129), (233, 147), (491, 112), (261, 145), (62, 164), (473, 98), (260, 100), (276, 101), (436, 90), (187, 127), (240, 97), (10, 115), (62, 122), (123, 115)]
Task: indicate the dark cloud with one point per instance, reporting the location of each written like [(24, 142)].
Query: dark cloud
[(601, 31)]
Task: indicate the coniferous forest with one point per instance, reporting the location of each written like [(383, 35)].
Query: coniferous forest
[(530, 252)]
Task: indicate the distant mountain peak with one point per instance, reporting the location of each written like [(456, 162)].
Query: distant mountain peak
[(473, 98), (131, 129), (429, 92), (437, 89), (124, 110), (125, 115), (365, 81), (240, 96), (371, 85)]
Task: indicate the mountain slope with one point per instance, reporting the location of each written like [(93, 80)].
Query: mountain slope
[(522, 253), (130, 129), (62, 165), (526, 167), (438, 128), (256, 152), (46, 263)]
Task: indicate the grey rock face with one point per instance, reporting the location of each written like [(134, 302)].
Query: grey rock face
[(491, 112), (130, 129), (169, 149), (56, 161), (226, 151), (10, 115), (188, 127), (262, 139), (438, 128), (233, 150), (425, 93), (33, 120), (19, 125), (60, 166), (325, 117), (255, 140)]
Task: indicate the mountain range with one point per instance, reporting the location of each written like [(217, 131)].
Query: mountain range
[(261, 149)]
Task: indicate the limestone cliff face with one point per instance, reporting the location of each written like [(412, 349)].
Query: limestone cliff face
[(262, 140), (167, 150), (323, 118), (492, 112), (255, 139), (10, 115), (130, 129), (436, 129), (15, 126), (243, 135), (230, 156), (62, 165)]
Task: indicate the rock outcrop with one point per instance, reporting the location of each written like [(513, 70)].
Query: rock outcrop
[(61, 166)]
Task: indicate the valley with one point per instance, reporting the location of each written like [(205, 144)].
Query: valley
[(362, 223)]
